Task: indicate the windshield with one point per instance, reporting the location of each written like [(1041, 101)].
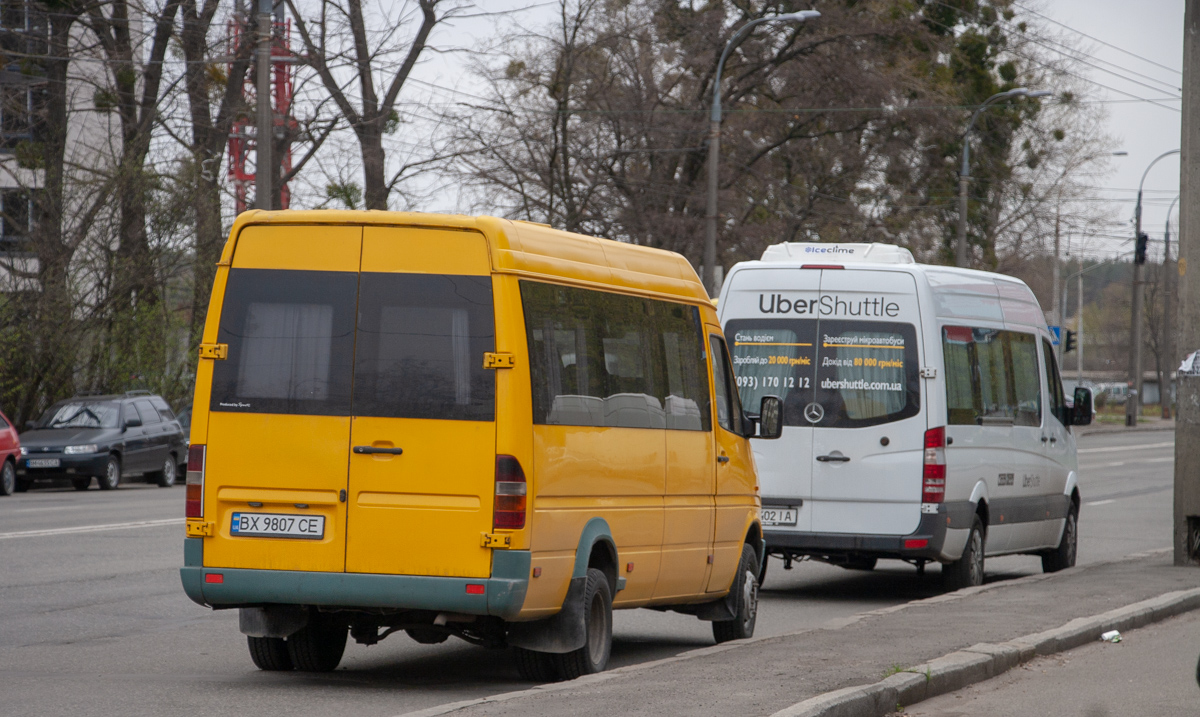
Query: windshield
[(81, 415), (830, 374)]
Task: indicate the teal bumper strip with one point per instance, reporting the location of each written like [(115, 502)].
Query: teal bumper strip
[(503, 595)]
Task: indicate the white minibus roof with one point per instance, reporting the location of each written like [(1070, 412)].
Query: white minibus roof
[(843, 253)]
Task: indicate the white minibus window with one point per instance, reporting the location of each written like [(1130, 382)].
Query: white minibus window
[(991, 377)]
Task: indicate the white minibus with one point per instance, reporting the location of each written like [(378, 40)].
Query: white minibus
[(924, 415)]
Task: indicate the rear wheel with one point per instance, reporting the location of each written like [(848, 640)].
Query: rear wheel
[(1063, 556), (745, 585), (8, 479), (269, 653), (535, 666), (593, 656), (762, 572), (165, 477), (967, 571), (82, 483), (112, 474), (319, 646)]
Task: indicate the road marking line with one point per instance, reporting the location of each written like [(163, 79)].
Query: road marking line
[(1101, 502), (1114, 449), (91, 528)]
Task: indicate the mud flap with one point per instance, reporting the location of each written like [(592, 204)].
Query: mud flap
[(561, 633), (274, 621)]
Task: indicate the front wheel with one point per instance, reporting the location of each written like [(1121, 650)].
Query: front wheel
[(82, 483), (8, 479), (112, 474), (745, 585), (1063, 556), (165, 477), (967, 571), (597, 616)]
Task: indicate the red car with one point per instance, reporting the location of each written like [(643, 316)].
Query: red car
[(10, 451)]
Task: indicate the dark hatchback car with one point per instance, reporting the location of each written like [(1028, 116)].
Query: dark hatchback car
[(106, 437)]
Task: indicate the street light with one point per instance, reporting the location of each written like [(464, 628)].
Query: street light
[(714, 142), (960, 252), (1135, 357)]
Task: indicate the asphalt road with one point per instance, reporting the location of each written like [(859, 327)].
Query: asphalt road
[(93, 621)]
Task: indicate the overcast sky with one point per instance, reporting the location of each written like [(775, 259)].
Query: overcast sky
[(1130, 45)]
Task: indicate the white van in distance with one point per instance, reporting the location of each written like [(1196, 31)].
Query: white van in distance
[(924, 415)]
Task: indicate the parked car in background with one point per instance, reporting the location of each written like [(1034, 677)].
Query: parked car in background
[(10, 452), (105, 437)]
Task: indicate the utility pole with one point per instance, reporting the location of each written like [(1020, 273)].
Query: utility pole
[(1079, 332), (1187, 415), (1133, 399), (264, 161), (1058, 305)]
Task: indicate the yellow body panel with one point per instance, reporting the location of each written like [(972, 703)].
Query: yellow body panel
[(737, 501), (612, 473), (421, 512), (421, 250), (279, 461), (318, 248), (688, 514)]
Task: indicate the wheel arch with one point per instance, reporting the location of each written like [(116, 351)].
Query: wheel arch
[(597, 549)]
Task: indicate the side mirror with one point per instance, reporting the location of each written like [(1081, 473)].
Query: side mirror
[(1081, 414), (133, 422), (770, 417)]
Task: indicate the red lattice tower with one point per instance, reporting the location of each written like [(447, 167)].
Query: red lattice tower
[(242, 135)]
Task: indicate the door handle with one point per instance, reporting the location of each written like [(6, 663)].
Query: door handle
[(834, 459), (722, 459), (367, 450)]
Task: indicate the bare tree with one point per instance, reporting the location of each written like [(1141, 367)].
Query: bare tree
[(356, 64)]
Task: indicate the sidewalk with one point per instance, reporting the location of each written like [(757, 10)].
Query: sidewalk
[(764, 676)]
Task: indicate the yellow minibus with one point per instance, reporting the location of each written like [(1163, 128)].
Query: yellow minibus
[(464, 426)]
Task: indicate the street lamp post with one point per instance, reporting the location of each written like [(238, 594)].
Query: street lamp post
[(1168, 343), (714, 142), (964, 176), (1133, 399)]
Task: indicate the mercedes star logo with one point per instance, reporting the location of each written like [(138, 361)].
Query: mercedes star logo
[(813, 412)]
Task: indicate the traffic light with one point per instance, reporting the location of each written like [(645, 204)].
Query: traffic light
[(1069, 342), (1139, 249)]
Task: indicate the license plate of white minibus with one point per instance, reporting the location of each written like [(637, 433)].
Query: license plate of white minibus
[(277, 525), (42, 463), (779, 516)]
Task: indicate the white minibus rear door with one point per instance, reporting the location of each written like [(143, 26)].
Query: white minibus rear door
[(866, 410)]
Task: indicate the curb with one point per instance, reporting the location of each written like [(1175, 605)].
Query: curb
[(834, 624), (984, 661)]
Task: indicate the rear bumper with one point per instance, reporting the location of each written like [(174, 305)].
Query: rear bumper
[(936, 538), (503, 594)]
